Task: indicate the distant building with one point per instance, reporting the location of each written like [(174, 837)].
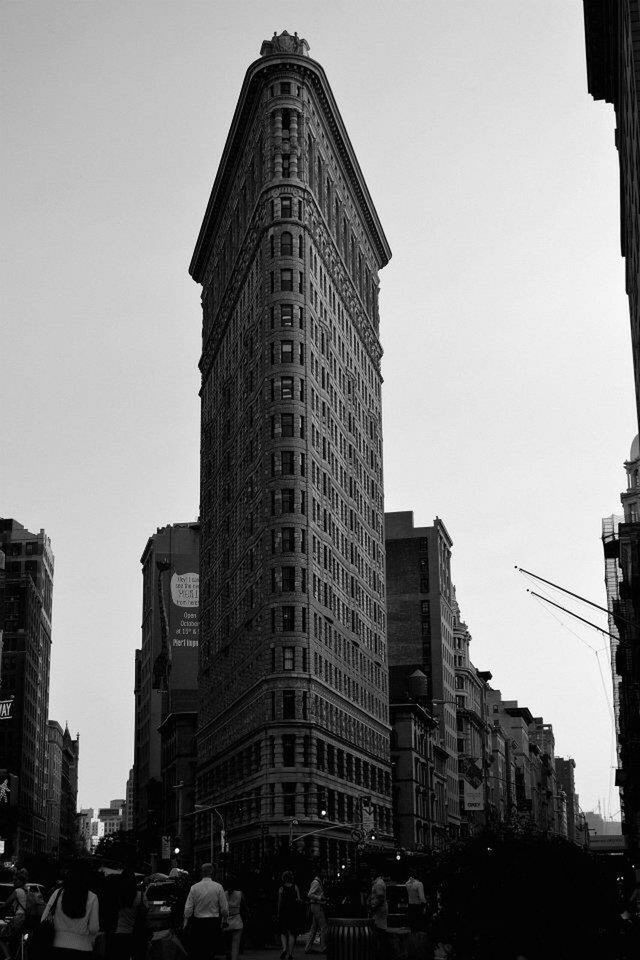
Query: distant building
[(565, 769), (129, 809), (62, 790), (472, 729), (541, 734), (420, 616), (418, 763), (54, 785), (83, 829), (26, 591), (111, 819), (522, 758), (166, 683), (69, 792), (599, 826)]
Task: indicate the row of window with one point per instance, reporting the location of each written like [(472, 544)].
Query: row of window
[(285, 540), (286, 619), (285, 501), (286, 281), (288, 463), (282, 351), (283, 388), (287, 208), (286, 245), (288, 425), (286, 580), (287, 315)]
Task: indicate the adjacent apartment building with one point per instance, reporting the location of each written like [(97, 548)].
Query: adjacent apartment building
[(62, 789), (166, 679), (621, 542), (420, 605), (293, 713), (26, 594)]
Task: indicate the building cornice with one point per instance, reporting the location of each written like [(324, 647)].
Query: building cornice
[(255, 77)]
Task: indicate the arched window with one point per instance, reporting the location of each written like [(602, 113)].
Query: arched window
[(286, 244)]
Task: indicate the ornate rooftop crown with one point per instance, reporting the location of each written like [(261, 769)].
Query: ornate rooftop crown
[(285, 43)]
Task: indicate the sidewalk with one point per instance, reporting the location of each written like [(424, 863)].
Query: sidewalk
[(273, 953)]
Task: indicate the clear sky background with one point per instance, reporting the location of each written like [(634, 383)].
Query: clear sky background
[(508, 398)]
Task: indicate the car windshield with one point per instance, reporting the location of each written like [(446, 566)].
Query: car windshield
[(160, 891)]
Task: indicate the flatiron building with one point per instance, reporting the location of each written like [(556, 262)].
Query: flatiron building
[(293, 738)]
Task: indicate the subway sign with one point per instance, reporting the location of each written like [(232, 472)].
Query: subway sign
[(5, 709)]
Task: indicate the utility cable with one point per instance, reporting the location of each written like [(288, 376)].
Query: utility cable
[(577, 596)]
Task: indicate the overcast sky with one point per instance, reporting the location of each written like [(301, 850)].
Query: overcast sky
[(508, 397)]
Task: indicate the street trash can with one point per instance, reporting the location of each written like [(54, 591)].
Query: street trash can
[(349, 938)]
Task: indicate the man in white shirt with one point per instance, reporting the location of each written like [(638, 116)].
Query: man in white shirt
[(204, 911), (417, 902), (318, 919)]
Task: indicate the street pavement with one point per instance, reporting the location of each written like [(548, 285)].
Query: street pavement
[(273, 953)]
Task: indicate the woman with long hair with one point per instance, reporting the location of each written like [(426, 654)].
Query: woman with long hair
[(236, 918), (74, 911), (129, 936), (288, 914)]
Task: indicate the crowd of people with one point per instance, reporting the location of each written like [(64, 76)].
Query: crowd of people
[(88, 913)]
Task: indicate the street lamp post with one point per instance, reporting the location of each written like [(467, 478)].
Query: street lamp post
[(200, 808)]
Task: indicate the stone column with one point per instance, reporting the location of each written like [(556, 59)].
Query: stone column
[(277, 143), (293, 134)]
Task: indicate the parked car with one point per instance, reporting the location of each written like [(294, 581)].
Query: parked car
[(159, 898)]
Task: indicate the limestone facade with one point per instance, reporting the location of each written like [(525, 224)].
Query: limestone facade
[(293, 713)]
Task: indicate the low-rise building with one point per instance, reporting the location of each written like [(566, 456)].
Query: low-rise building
[(418, 790)]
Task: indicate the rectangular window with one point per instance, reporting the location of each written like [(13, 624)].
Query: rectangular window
[(286, 165), (288, 619), (286, 424), (286, 351), (288, 539), (288, 751), (286, 314), (424, 575), (286, 388), (288, 580), (286, 279), (286, 462), (288, 653), (288, 704), (289, 799), (285, 206), (288, 500), (285, 89)]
